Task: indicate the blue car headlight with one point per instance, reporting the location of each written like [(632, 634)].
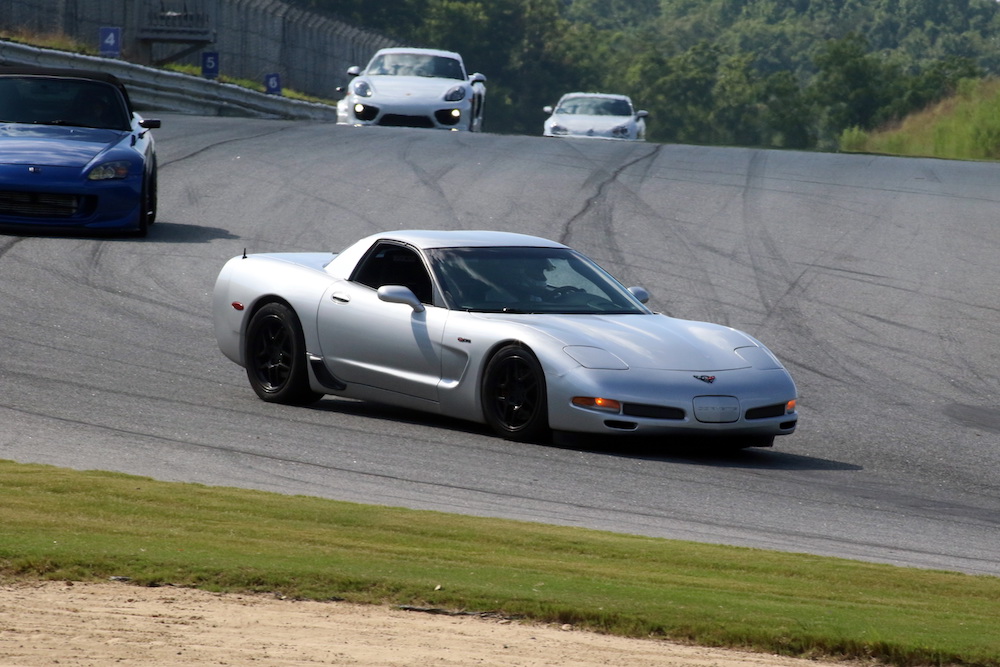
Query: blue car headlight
[(455, 94), (362, 89), (109, 170)]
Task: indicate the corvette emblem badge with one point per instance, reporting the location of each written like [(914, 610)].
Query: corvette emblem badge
[(705, 378)]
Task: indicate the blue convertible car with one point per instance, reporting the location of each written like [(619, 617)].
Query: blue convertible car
[(74, 154)]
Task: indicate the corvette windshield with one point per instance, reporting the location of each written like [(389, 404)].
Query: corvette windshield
[(528, 280), (415, 64)]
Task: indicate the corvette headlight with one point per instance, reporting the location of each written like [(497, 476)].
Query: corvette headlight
[(109, 171), (595, 357), (455, 94), (362, 89), (759, 358)]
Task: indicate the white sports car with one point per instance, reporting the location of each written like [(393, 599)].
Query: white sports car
[(517, 332), (596, 115), (406, 87)]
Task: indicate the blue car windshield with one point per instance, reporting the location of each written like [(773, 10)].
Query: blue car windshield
[(528, 280), (50, 100)]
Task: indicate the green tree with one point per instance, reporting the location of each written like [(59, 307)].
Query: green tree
[(788, 115), (852, 85), (737, 114), (612, 15)]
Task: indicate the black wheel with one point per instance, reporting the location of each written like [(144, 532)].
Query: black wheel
[(151, 195), (147, 205), (513, 394), (276, 357)]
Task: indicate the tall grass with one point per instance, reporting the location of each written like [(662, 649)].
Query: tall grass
[(57, 41), (966, 126)]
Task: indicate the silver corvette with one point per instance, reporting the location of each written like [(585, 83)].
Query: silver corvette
[(517, 332)]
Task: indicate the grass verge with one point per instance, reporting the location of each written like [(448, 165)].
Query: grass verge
[(71, 525), (965, 126)]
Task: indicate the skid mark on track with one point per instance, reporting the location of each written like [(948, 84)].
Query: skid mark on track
[(601, 191), (162, 163), (8, 244), (595, 219)]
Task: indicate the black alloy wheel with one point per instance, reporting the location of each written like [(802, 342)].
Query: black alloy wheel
[(513, 395), (276, 357)]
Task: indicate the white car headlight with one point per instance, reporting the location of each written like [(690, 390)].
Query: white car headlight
[(620, 131), (455, 94), (109, 171), (362, 89), (558, 129)]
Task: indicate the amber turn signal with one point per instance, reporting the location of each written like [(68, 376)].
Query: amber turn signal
[(607, 404)]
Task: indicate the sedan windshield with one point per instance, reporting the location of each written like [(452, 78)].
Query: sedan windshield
[(45, 100), (528, 280), (595, 106), (415, 64)]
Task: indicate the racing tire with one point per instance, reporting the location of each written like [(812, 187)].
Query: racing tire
[(151, 201), (513, 395), (147, 205), (276, 357), (142, 228)]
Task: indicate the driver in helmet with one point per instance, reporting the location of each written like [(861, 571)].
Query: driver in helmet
[(529, 281)]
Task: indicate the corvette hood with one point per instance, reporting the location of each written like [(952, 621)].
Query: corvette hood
[(54, 146), (420, 87), (645, 341)]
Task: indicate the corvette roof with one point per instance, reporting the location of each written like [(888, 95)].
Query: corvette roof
[(463, 238)]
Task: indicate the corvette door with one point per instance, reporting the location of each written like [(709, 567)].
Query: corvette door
[(391, 346)]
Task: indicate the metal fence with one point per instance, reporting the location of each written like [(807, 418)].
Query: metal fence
[(253, 38), (158, 90)]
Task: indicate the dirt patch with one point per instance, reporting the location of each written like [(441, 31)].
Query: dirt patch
[(59, 623)]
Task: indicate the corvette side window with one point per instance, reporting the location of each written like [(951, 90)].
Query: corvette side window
[(391, 264)]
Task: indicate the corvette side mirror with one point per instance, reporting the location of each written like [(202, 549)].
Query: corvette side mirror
[(639, 293), (400, 294)]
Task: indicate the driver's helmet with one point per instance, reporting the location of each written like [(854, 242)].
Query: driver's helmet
[(531, 271)]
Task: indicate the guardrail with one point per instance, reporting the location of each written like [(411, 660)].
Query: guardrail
[(161, 90)]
